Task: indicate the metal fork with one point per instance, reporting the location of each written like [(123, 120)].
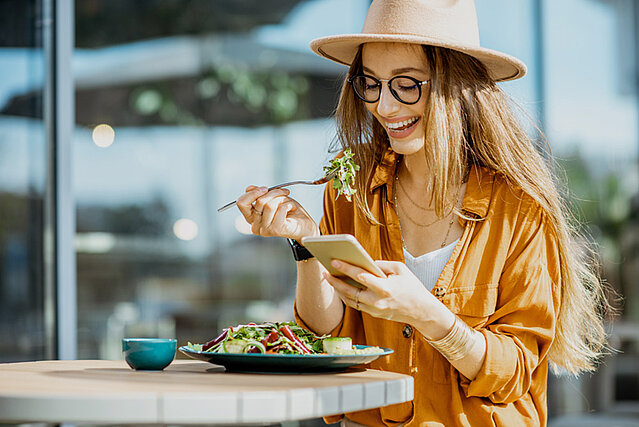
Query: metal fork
[(322, 180)]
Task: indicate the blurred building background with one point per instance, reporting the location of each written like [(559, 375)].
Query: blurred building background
[(178, 105)]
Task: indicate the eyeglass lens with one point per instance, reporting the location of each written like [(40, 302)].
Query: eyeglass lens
[(404, 89)]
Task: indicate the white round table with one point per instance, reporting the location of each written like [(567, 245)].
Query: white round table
[(187, 392)]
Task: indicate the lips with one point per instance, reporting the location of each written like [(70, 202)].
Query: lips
[(402, 129)]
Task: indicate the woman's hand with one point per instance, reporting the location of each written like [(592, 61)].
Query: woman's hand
[(273, 213), (400, 297)]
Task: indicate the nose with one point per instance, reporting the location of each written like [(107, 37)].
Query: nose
[(387, 104)]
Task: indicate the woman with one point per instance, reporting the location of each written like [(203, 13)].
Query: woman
[(484, 283)]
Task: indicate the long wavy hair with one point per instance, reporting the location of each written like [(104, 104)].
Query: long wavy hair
[(470, 120)]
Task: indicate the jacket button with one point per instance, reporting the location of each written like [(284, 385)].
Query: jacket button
[(407, 331), (439, 292)]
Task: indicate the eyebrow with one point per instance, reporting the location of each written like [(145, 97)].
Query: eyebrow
[(397, 70)]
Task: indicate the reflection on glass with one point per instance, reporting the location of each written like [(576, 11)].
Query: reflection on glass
[(22, 183), (192, 112)]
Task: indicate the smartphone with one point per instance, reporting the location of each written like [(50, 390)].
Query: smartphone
[(344, 247)]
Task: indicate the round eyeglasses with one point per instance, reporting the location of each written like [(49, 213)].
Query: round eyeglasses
[(405, 89)]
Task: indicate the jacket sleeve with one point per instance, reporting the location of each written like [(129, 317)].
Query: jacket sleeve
[(520, 332)]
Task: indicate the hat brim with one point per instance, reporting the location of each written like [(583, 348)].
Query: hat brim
[(342, 49)]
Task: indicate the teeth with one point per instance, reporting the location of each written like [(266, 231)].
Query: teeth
[(398, 125)]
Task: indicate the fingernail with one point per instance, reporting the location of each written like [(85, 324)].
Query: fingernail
[(262, 189), (336, 263)]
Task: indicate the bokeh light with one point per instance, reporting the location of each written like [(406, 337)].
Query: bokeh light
[(147, 101), (103, 135), (185, 229)]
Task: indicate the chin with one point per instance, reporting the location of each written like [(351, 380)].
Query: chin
[(408, 146)]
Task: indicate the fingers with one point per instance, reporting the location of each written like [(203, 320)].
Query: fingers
[(273, 216), (269, 202), (265, 208), (390, 267), (358, 274), (282, 211), (246, 200), (349, 294), (255, 200)]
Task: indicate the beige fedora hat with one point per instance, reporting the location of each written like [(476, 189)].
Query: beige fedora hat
[(445, 23)]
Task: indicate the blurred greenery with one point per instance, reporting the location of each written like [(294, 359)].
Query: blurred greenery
[(601, 198), (601, 201), (265, 96)]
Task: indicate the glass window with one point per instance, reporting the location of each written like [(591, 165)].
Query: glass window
[(22, 182), (175, 118)]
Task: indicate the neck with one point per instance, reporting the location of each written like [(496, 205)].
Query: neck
[(414, 171)]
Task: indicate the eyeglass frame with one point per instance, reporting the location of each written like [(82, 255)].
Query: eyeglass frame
[(390, 88)]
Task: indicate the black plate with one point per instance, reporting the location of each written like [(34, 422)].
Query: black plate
[(285, 363)]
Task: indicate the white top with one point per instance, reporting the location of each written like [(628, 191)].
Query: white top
[(428, 267)]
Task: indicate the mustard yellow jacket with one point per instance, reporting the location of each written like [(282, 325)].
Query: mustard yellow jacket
[(503, 279)]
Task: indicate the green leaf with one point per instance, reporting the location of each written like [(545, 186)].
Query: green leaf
[(345, 167)]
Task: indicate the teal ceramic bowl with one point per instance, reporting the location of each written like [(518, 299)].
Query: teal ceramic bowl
[(148, 354)]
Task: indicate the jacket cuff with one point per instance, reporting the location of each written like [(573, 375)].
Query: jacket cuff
[(498, 368)]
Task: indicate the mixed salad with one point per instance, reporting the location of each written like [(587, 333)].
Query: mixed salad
[(346, 169), (279, 338)]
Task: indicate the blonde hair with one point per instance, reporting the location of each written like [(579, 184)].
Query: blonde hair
[(469, 120)]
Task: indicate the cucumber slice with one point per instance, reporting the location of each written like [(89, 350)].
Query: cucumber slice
[(336, 345), (234, 346), (254, 343)]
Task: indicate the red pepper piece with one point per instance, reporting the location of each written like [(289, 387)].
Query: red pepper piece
[(270, 338), (215, 341), (286, 331)]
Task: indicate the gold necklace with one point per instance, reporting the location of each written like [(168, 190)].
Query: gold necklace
[(410, 198), (450, 223), (414, 221)]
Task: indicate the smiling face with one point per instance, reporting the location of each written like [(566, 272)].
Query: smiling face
[(404, 123)]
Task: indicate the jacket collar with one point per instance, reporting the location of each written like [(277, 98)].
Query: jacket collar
[(384, 172), (478, 190)]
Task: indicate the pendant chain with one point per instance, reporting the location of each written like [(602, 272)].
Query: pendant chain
[(450, 223), (401, 186)]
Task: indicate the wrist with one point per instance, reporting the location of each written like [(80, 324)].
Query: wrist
[(314, 232), (437, 325), (458, 343)]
